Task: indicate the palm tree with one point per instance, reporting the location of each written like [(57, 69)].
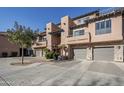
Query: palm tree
[(21, 36)]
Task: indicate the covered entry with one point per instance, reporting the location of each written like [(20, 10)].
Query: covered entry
[(39, 52), (79, 54), (104, 53)]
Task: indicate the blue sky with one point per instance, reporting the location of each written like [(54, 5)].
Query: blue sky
[(37, 17)]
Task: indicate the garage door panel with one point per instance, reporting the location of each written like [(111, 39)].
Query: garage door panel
[(38, 53), (104, 53), (79, 54)]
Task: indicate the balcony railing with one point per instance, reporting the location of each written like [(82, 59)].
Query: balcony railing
[(39, 44), (78, 39), (79, 26), (107, 13), (110, 10), (42, 40)]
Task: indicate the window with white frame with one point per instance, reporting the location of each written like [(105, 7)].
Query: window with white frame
[(78, 32), (103, 27)]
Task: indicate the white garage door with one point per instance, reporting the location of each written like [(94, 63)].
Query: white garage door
[(104, 53), (79, 54), (38, 53)]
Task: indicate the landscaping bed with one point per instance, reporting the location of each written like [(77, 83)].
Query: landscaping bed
[(20, 64)]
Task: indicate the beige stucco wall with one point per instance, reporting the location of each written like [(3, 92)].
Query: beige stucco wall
[(6, 46), (115, 35), (66, 22), (116, 31), (79, 39), (39, 45), (51, 39)]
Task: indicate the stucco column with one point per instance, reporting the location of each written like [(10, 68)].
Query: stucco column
[(34, 52), (69, 54), (52, 40), (66, 22), (89, 53), (119, 53), (49, 37)]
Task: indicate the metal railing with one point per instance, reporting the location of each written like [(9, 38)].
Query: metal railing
[(111, 10)]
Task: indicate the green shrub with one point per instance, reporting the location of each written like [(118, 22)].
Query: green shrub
[(49, 55), (55, 55), (46, 50)]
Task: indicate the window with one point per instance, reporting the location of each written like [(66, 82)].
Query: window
[(97, 26), (103, 27), (42, 39), (108, 24), (83, 20), (64, 23), (78, 33)]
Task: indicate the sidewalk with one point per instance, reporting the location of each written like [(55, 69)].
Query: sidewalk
[(3, 82)]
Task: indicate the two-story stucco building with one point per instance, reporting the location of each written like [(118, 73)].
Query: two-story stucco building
[(40, 44), (91, 36)]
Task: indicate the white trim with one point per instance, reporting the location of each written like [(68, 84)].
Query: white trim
[(103, 46), (103, 20), (79, 29)]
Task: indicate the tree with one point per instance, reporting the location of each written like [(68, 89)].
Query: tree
[(21, 36)]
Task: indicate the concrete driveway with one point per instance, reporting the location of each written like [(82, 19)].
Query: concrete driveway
[(68, 73)]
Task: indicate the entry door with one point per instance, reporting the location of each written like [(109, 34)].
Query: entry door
[(38, 53), (79, 54), (104, 53)]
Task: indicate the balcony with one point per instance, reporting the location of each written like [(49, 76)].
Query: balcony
[(56, 33), (39, 44), (79, 26), (82, 39)]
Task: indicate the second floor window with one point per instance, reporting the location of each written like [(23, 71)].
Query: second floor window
[(108, 24), (103, 27), (78, 33), (42, 39), (83, 20)]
